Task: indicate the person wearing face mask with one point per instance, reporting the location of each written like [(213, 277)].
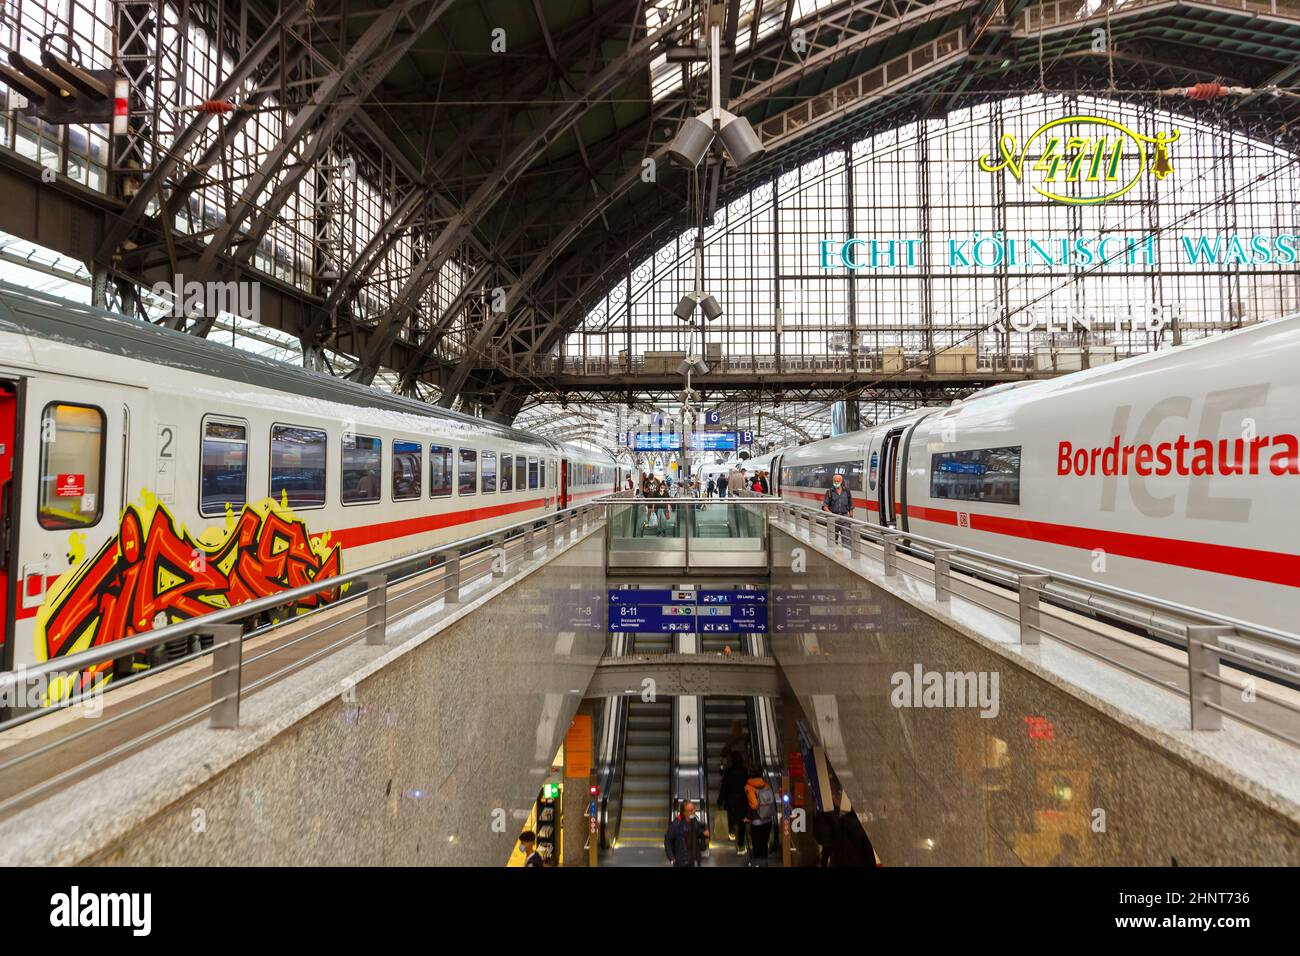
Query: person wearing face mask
[(528, 846), (839, 501)]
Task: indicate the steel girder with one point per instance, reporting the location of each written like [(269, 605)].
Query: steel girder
[(365, 64), (635, 57), (856, 27), (442, 208), (256, 61), (561, 319)]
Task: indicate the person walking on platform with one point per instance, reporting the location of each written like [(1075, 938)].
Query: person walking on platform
[(736, 483), (686, 838), (839, 501), (663, 509), (722, 486), (528, 844), (762, 814), (732, 798)]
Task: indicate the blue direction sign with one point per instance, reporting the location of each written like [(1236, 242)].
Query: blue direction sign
[(713, 441), (657, 441), (660, 611)]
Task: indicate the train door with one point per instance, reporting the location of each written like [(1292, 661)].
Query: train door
[(8, 504), (889, 476), (564, 483), (73, 477)]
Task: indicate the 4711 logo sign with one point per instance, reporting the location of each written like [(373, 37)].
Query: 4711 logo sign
[(1106, 164)]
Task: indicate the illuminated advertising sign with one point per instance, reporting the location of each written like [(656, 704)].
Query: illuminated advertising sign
[(1090, 150)]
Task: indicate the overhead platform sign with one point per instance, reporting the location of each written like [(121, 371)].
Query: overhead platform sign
[(657, 441), (666, 611)]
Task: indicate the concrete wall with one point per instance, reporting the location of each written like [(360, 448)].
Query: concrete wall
[(435, 761), (945, 786)]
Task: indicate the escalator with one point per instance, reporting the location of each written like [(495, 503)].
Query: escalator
[(720, 714), (647, 764)]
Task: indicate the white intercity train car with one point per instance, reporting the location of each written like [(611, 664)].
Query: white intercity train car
[(1174, 474), (148, 476)]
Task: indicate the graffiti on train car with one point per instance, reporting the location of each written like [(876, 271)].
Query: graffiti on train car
[(153, 572)]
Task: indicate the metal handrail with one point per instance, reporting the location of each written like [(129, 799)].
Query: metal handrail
[(1201, 631), (215, 622), (202, 625), (1277, 638)]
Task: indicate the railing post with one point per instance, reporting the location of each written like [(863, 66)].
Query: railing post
[(550, 533), (1030, 615), (376, 609), (227, 663), (528, 543), (451, 576), (890, 557), (582, 521), (855, 542), (498, 546), (1203, 687), (943, 574)]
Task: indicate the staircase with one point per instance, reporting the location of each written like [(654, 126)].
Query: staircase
[(646, 766)]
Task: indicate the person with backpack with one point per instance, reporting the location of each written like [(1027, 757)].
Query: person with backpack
[(762, 815)]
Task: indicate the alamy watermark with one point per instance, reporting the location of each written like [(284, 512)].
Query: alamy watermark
[(922, 688), (192, 297)]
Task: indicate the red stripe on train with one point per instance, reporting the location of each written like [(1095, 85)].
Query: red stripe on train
[(370, 534), (1270, 567)]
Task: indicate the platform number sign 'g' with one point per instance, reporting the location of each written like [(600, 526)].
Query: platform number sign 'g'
[(165, 475)]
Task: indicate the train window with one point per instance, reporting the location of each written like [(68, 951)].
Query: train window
[(362, 469), (521, 473), (507, 472), (298, 465), (821, 475), (72, 466), (439, 471), (407, 467), (488, 478), (223, 466), (532, 472), (541, 473), (467, 476), (986, 474)]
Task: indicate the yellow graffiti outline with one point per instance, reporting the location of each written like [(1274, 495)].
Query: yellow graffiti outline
[(211, 540)]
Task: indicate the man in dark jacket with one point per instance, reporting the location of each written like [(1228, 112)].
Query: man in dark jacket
[(839, 501), (850, 845), (686, 838), (731, 797)]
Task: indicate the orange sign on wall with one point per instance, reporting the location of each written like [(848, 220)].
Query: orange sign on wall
[(577, 747)]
